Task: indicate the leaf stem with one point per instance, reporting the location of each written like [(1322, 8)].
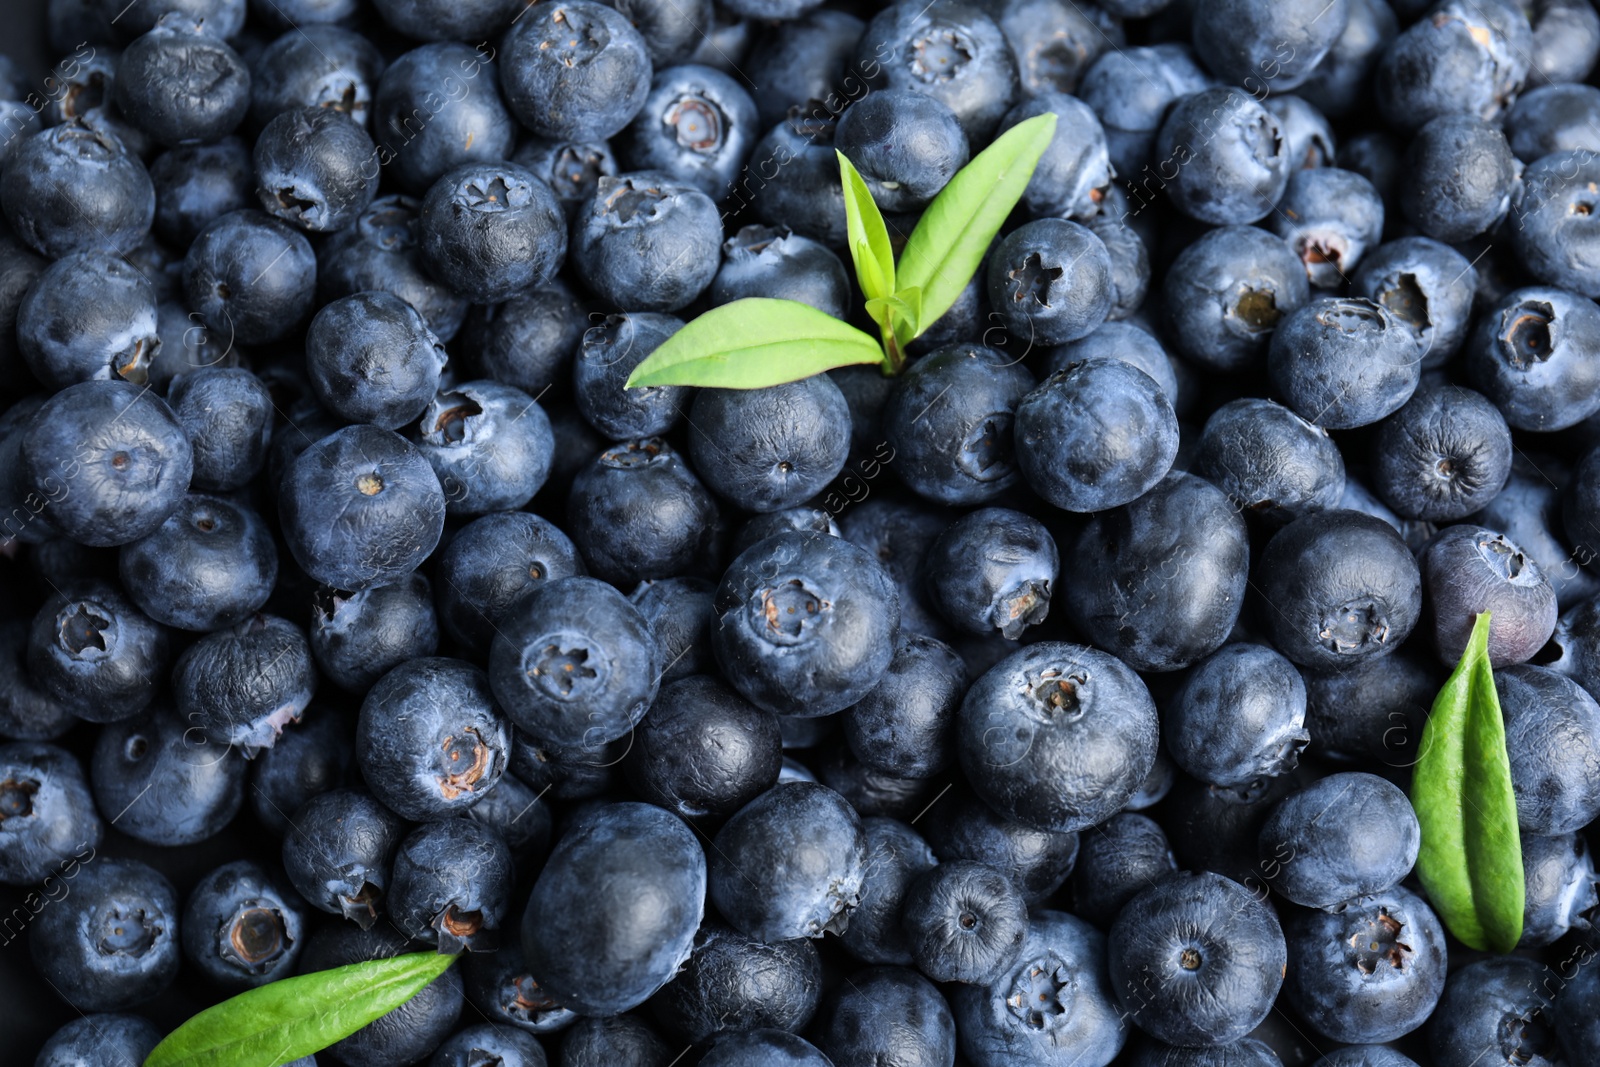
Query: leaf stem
[(894, 359)]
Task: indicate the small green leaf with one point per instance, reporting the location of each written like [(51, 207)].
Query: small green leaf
[(290, 1019), (954, 232), (898, 313), (869, 238), (754, 343), (1471, 857)]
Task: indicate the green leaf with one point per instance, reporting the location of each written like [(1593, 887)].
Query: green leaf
[(869, 238), (954, 232), (1471, 857), (899, 313), (287, 1020), (754, 343)]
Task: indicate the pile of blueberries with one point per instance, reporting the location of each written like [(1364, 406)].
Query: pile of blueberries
[(1052, 704)]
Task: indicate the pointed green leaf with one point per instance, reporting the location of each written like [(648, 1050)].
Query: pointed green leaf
[(869, 238), (754, 343), (1471, 857), (954, 232), (906, 325), (288, 1020)]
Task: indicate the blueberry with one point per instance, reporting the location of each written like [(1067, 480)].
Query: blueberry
[(492, 563), (1528, 510), (948, 50), (1365, 1056), (1497, 1007), (436, 108), (1129, 90), (766, 524), (1346, 835), (898, 534), (572, 168), (773, 262), (89, 315), (672, 32), (1049, 281), (1227, 293), (528, 341), (580, 71), (906, 144), (100, 1038), (315, 168), (697, 126), (310, 758), (610, 351), (451, 885), (1227, 152), (1054, 1006), (443, 20), (240, 929), (227, 413), (92, 648), (491, 230), (703, 750), (803, 190), (1159, 582), (1442, 456), (1260, 42), (895, 856), (903, 726), (852, 1034), (357, 637), (1196, 960), (1559, 888), (869, 791), (1344, 363), (1239, 716), (1330, 217), (485, 1042), (736, 983), (113, 942), (1458, 176), (1307, 134), (1577, 1021), (1532, 355), (1427, 285), (647, 243), (806, 624), (763, 1048), (614, 1041), (1074, 174), (1269, 461), (964, 921), (240, 686), (47, 817), (769, 449), (211, 564), (1245, 1052), (250, 277), (108, 204), (360, 508), (993, 569), (315, 64), (167, 782), (1057, 736), (430, 739), (679, 612), (180, 84), (1117, 860), (338, 852), (1552, 737), (1216, 828), (1553, 118), (1466, 58), (499, 986), (379, 251), (802, 59), (631, 879), (1469, 569), (490, 445), (27, 711)]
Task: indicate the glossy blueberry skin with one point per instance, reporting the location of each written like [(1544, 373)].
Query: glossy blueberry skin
[(806, 623), (633, 879), (443, 20), (801, 519), (1559, 887), (804, 193), (903, 726), (578, 72), (1229, 155), (1307, 134), (851, 1031), (114, 940), (490, 564), (1245, 1052), (1057, 736), (1340, 83), (498, 985), (251, 278), (1372, 712), (1095, 435), (227, 414), (647, 243), (338, 852), (610, 351), (379, 251), (1552, 118), (172, 785), (1251, 42), (179, 84), (680, 614), (763, 1048), (109, 204), (360, 508), (112, 461), (50, 816), (316, 65), (315, 168), (763, 261), (357, 637), (1365, 1056), (528, 341), (505, 1048), (868, 791), (371, 358), (697, 126), (1470, 569), (1457, 179), (951, 51), (899, 533), (673, 33), (100, 1038), (1566, 39), (240, 929), (1552, 737), (735, 983), (1343, 574), (430, 740), (965, 922), (1118, 859), (1075, 170), (27, 711), (1239, 715), (1443, 456), (789, 864), (1196, 959), (1129, 90), (90, 647), (1427, 285), (407, 1034), (1330, 218), (1549, 231), (1533, 354), (451, 885), (1528, 510), (1227, 293), (1577, 1020), (1496, 1007), (895, 856), (1346, 835), (574, 664), (1271, 463), (571, 167), (491, 230), (992, 569), (802, 59), (949, 422), (1049, 282), (773, 448), (1344, 363), (906, 144), (436, 108), (1054, 1006), (89, 315), (703, 750), (210, 565), (1469, 58), (490, 445), (312, 757), (1128, 594)]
